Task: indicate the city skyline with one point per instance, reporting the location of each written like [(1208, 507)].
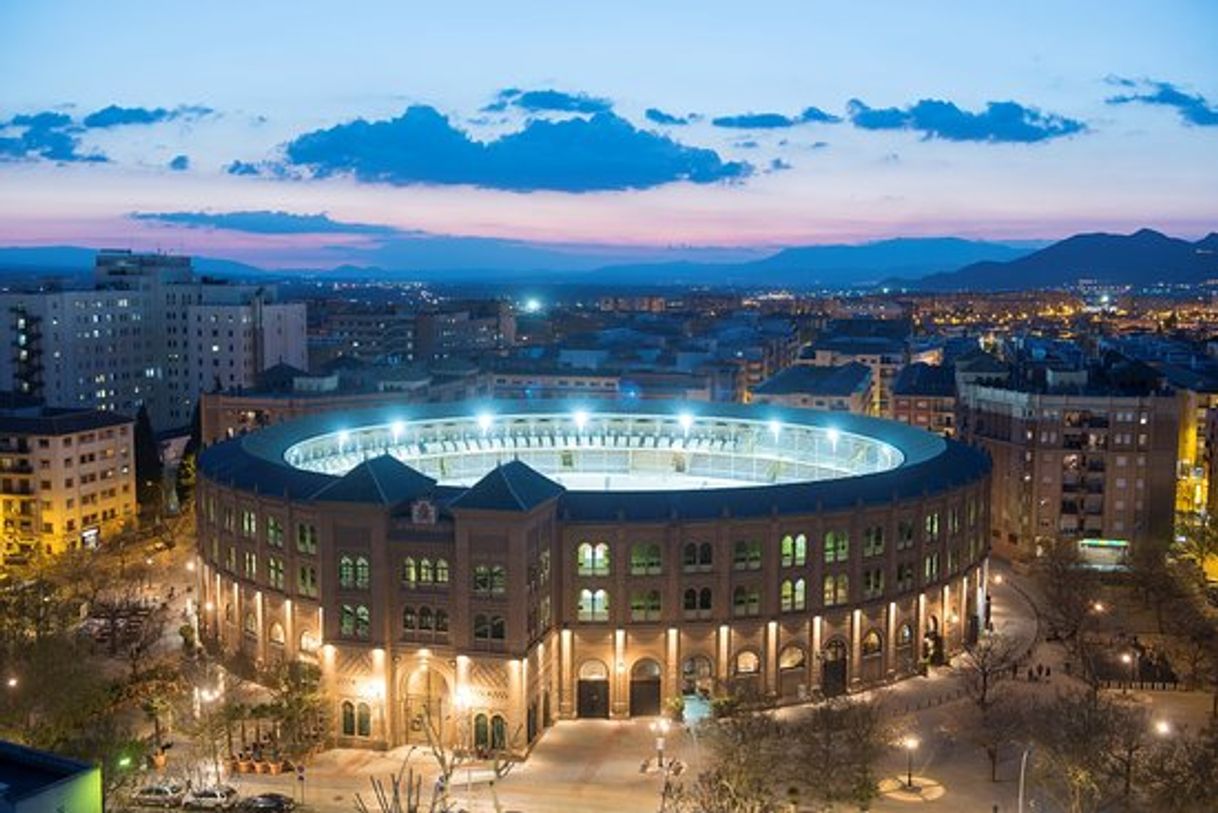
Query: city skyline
[(642, 132)]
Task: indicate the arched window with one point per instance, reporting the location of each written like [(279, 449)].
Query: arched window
[(904, 635), (441, 622), (746, 601), (644, 559), (837, 546), (786, 595), (346, 621), (837, 589), (592, 559), (871, 644), (348, 715), (791, 657), (426, 574), (498, 580), (704, 602), (689, 557), (363, 720), (409, 620), (593, 605), (426, 620), (645, 605), (747, 663), (482, 735), (697, 558), (308, 642), (498, 733), (482, 628), (746, 555), (363, 621), (800, 599), (441, 571), (706, 556), (276, 634), (346, 572), (363, 573), (794, 550), (410, 574), (228, 612), (251, 625)]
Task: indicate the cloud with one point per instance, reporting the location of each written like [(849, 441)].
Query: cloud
[(265, 221), (654, 114), (421, 146), (777, 165), (48, 135), (548, 101), (1193, 109), (1000, 122), (115, 116), (242, 168), (180, 163), (774, 121)]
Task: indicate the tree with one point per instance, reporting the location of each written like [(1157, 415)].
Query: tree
[(297, 705), (1197, 540), (149, 469), (844, 738), (187, 466), (745, 754), (985, 663), (994, 726)]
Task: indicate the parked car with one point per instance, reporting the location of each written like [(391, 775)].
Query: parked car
[(216, 797), (161, 794), (268, 803)]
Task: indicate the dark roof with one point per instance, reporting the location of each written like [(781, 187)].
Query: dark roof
[(47, 421), (25, 772), (383, 479), (937, 380), (512, 486), (280, 377), (856, 345), (806, 379)]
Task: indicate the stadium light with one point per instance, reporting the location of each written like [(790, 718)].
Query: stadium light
[(686, 420), (484, 421), (833, 435), (343, 437), (581, 419), (775, 429), (397, 428)]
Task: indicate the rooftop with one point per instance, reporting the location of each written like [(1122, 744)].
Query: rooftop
[(32, 418), (25, 772), (934, 380), (804, 379)]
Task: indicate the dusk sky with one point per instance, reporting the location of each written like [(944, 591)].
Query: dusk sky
[(319, 135)]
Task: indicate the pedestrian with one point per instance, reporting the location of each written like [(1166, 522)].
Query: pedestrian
[(1048, 671), (1031, 675), (1040, 670)]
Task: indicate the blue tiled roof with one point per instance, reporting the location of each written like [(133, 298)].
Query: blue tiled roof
[(805, 379), (383, 479), (513, 486)]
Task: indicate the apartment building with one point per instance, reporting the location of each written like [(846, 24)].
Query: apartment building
[(924, 395), (67, 477), (846, 388)]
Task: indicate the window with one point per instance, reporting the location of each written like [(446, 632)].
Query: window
[(410, 573), (441, 571), (346, 572), (251, 625), (363, 573), (873, 583), (249, 524), (837, 589), (697, 603), (746, 601), (905, 576), (274, 572), (348, 715), (490, 580), (794, 550), (251, 564), (645, 605), (872, 645), (489, 628), (426, 573), (904, 635), (746, 555), (837, 546), (697, 558), (793, 595), (306, 538), (306, 581), (275, 634), (592, 560), (747, 663), (354, 621), (873, 541), (645, 559), (930, 569), (274, 532), (905, 534), (931, 523), (498, 733), (593, 605), (791, 657)]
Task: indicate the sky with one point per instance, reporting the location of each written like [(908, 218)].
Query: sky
[(307, 134)]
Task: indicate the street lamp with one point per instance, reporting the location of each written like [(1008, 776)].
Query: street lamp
[(659, 728), (1128, 660), (11, 682), (910, 743)]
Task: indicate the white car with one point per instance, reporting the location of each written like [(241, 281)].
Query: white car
[(216, 797), (162, 794)]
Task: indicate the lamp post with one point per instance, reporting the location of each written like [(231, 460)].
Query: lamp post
[(910, 744), (660, 729), (1023, 773)]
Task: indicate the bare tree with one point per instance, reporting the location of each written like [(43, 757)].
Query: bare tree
[(984, 664), (745, 754)]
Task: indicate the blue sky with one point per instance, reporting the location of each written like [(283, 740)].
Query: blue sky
[(643, 126)]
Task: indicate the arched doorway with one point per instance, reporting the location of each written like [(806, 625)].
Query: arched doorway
[(645, 688), (792, 672), (697, 682), (426, 703), (932, 644), (592, 689), (905, 649), (835, 671), (872, 651)]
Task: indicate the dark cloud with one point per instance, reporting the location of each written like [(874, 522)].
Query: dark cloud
[(774, 121), (115, 116), (777, 165), (49, 136), (1193, 109), (1000, 122), (242, 168), (658, 116), (548, 101), (265, 222), (421, 146), (180, 163)]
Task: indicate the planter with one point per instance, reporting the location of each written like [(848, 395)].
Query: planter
[(245, 766)]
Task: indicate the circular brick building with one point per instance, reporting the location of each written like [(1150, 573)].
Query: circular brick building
[(484, 569)]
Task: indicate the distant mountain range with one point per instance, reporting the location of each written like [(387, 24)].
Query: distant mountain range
[(931, 263), (1143, 258)]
